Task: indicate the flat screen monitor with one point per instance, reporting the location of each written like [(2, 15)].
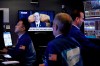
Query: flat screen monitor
[(45, 23), (92, 28), (92, 9), (7, 39), (92, 19)]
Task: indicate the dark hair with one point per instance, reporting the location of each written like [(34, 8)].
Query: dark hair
[(64, 22), (75, 13), (25, 23)]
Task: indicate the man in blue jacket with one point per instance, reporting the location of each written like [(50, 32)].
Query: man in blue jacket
[(24, 50), (62, 51), (86, 45), (78, 19)]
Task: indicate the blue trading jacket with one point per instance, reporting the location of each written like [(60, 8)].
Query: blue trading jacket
[(58, 52), (81, 38), (27, 55), (42, 24)]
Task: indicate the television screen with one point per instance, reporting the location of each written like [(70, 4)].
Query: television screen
[(92, 28), (39, 20)]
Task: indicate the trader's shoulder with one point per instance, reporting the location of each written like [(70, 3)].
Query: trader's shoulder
[(26, 37), (57, 41)]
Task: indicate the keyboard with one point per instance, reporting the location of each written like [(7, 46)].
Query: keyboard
[(7, 56)]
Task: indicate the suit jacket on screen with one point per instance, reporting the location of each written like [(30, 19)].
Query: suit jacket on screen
[(42, 24)]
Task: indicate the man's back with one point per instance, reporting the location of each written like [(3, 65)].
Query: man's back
[(65, 50)]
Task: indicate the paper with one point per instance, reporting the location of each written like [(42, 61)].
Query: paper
[(10, 62)]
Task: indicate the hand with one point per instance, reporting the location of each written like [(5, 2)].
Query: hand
[(22, 47), (4, 50), (41, 64)]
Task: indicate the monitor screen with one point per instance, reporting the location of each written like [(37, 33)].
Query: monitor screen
[(39, 20), (92, 28), (7, 39), (92, 9)]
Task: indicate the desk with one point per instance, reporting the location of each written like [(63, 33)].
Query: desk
[(7, 61), (10, 63)]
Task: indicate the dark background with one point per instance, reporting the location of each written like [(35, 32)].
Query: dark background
[(1, 30)]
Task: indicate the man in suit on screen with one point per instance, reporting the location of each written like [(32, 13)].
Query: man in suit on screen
[(37, 22)]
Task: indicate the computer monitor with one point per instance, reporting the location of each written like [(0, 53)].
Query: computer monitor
[(92, 9), (46, 19), (92, 19), (39, 34), (92, 28), (7, 39)]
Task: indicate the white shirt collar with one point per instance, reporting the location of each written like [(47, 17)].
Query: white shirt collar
[(76, 26), (37, 22), (20, 36), (58, 35)]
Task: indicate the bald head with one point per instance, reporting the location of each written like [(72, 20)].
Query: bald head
[(63, 17), (36, 13), (62, 22), (36, 16)]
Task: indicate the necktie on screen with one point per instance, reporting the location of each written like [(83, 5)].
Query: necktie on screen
[(37, 25)]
